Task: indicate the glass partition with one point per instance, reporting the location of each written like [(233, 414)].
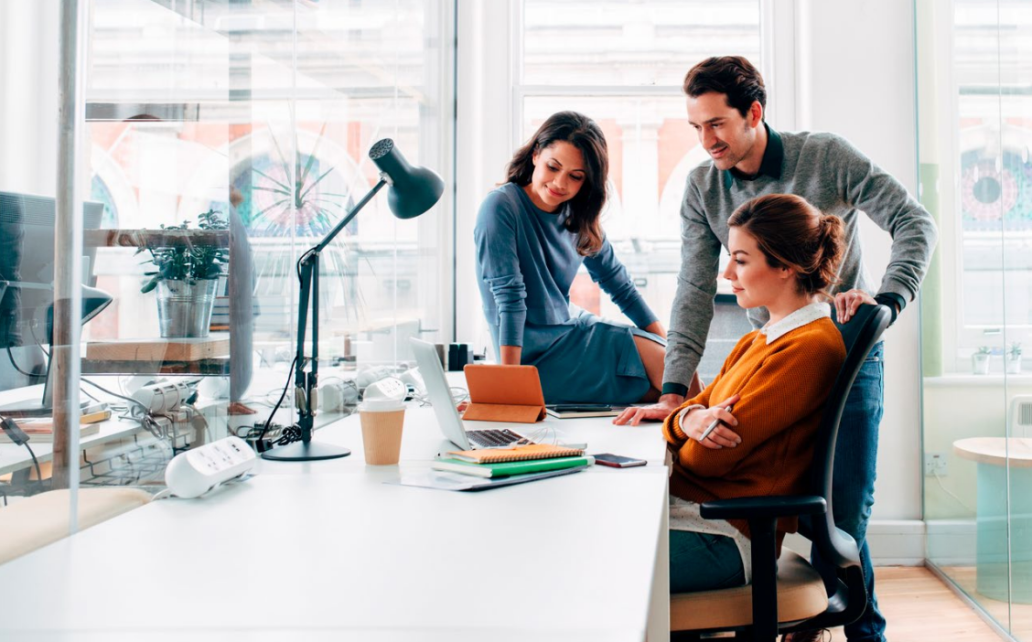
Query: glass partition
[(975, 118), (223, 139), (32, 461)]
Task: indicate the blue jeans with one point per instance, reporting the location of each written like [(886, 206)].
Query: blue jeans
[(856, 455), (703, 562)]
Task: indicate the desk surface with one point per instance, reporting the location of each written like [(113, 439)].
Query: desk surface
[(422, 439), (326, 550), (14, 457)]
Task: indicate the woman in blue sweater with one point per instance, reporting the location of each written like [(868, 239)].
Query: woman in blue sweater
[(532, 235)]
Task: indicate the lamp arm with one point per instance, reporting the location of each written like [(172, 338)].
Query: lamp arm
[(308, 275), (352, 214)]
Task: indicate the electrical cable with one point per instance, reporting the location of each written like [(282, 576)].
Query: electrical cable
[(950, 493), (32, 331), (458, 394), (14, 363), (290, 373), (15, 434), (35, 462), (146, 410)]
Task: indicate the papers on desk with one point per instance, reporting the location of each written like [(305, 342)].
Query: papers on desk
[(454, 481)]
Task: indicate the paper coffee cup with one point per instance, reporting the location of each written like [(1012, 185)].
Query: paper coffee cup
[(382, 421)]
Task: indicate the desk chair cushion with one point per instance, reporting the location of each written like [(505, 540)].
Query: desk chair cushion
[(42, 519), (801, 595)]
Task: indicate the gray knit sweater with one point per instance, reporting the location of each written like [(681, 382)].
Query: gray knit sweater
[(831, 174)]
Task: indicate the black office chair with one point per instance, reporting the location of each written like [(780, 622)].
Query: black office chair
[(788, 594)]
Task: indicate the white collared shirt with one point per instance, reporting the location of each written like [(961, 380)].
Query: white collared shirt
[(803, 316)]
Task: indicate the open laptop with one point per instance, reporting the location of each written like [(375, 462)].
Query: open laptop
[(444, 407)]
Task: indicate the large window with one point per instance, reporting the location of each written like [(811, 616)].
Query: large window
[(267, 112), (623, 64)]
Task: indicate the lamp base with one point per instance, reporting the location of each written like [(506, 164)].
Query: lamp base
[(300, 451)]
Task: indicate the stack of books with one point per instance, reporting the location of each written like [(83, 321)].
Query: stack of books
[(534, 461)]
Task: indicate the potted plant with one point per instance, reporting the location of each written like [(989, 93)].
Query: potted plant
[(980, 360), (186, 278), (1013, 358)]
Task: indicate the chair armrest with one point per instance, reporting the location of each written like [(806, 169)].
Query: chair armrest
[(764, 507), (838, 548)]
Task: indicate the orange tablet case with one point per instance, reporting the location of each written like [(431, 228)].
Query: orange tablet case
[(504, 393)]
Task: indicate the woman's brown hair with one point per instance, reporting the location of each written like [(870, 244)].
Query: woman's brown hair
[(586, 207), (794, 234)]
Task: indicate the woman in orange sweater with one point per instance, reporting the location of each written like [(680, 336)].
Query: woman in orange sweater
[(769, 394)]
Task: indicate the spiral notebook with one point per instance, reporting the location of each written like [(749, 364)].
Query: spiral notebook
[(519, 453)]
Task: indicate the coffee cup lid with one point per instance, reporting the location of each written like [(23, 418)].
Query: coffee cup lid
[(381, 405)]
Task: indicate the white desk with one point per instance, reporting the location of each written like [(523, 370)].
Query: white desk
[(325, 550), (14, 457)]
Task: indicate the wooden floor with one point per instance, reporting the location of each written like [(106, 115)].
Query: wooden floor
[(919, 607), (1019, 616)]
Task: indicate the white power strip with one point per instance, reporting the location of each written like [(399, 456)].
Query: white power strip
[(163, 397), (201, 469)]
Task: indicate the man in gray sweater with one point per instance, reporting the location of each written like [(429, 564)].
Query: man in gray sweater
[(726, 103)]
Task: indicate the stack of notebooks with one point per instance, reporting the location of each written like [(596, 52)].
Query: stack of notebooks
[(522, 463)]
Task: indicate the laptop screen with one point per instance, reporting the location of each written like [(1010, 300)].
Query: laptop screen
[(437, 390)]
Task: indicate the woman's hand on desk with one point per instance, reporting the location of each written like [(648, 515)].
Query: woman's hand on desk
[(697, 423)]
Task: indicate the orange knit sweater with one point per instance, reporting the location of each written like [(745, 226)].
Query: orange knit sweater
[(783, 387)]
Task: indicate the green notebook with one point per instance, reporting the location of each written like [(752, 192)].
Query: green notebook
[(508, 468)]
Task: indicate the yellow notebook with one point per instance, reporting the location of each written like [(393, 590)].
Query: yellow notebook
[(519, 453)]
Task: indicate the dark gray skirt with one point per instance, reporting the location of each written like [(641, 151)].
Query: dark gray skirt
[(586, 359)]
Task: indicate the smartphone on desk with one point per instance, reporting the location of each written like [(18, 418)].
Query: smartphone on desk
[(618, 461)]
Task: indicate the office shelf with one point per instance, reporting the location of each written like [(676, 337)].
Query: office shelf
[(155, 238), (214, 367)]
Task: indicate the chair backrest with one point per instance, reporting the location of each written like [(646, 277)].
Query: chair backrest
[(860, 335)]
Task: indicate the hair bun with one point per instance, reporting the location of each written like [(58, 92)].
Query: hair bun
[(793, 233)]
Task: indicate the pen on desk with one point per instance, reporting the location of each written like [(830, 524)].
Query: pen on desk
[(716, 422)]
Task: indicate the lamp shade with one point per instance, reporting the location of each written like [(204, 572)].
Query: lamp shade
[(94, 301), (413, 190)]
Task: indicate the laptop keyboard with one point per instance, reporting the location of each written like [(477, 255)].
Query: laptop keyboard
[(493, 438)]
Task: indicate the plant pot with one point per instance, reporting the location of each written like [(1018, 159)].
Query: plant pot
[(1013, 364), (184, 307), (980, 364)]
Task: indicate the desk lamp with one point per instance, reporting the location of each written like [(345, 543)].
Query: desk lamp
[(413, 190)]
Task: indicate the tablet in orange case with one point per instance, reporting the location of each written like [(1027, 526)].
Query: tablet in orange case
[(504, 393)]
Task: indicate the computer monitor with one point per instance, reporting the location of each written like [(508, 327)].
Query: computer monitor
[(27, 231)]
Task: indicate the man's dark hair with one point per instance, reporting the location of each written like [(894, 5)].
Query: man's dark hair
[(733, 76)]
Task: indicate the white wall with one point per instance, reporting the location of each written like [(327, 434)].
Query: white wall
[(28, 100), (856, 78)]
